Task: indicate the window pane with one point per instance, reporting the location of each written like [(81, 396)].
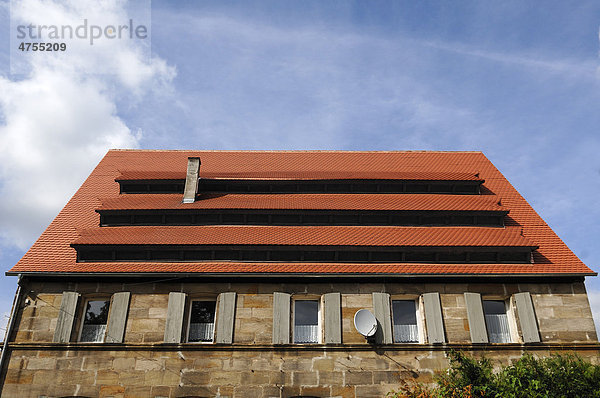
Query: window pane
[(420, 257), (353, 256), (416, 188), (286, 255), (261, 219), (202, 321), (483, 257), (176, 219), (463, 220), (306, 321), (116, 219), (496, 321), (433, 220), (467, 188), (151, 219), (233, 218), (350, 219), (406, 220), (197, 255), (130, 255), (319, 256), (254, 255), (390, 187), (386, 256), (452, 257), (494, 307), (315, 219), (404, 314), (338, 188), (441, 188), (488, 220), (94, 322), (285, 219), (207, 219), (375, 219)]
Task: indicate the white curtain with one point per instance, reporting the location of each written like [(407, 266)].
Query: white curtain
[(93, 333), (497, 326), (201, 331), (306, 334), (406, 334)]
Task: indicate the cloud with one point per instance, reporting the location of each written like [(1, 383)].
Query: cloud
[(61, 118), (586, 69), (252, 85)]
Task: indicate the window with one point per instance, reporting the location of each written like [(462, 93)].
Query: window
[(95, 319), (306, 321), (202, 321), (496, 321), (404, 315)]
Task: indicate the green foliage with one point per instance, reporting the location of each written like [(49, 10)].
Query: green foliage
[(558, 376)]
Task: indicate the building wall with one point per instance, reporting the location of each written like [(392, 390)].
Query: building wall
[(143, 366)]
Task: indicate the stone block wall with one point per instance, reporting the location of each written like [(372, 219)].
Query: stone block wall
[(142, 366), (244, 373), (562, 310)]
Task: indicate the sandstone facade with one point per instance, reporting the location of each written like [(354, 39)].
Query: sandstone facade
[(143, 366)]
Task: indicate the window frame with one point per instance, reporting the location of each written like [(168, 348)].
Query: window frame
[(420, 316), (189, 319), (509, 308), (85, 302), (319, 300)]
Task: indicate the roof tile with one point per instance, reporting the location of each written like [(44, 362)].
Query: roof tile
[(307, 235), (416, 202), (52, 251)]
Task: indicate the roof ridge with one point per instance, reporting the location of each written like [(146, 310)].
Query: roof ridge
[(286, 150)]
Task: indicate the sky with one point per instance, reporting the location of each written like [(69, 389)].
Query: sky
[(514, 79)]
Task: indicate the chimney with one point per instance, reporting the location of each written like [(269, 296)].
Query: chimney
[(191, 180)]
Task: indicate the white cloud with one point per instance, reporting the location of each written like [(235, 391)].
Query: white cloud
[(58, 121)]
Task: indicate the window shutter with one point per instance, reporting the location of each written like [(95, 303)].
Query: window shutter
[(117, 316), (476, 318), (225, 318), (527, 319), (433, 318), (333, 318), (382, 310), (66, 316), (281, 318), (174, 323)]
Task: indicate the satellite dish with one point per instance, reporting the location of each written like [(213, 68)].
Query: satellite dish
[(365, 323)]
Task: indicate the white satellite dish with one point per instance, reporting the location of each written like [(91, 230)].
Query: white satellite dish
[(365, 323)]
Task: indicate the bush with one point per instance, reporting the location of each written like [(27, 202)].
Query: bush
[(560, 376)]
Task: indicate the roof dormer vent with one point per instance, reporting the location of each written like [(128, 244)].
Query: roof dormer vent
[(191, 180)]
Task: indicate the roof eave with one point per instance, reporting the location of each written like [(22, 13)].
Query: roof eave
[(298, 274)]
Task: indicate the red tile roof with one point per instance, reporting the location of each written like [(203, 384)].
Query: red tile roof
[(345, 173), (52, 251), (308, 202), (286, 235)]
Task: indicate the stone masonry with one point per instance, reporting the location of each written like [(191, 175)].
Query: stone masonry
[(143, 366)]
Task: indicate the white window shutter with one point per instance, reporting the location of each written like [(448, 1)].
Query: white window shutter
[(333, 318), (383, 313), (476, 318), (527, 319), (117, 317), (281, 318), (66, 316), (174, 323), (225, 318), (433, 318)]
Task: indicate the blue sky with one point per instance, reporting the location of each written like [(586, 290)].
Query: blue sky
[(516, 80)]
